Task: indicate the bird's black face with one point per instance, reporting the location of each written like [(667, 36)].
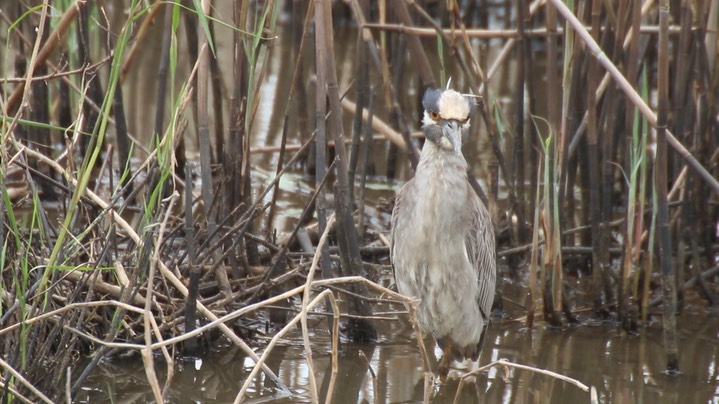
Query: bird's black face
[(446, 116)]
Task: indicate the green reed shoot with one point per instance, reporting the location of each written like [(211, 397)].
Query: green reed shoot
[(86, 172)]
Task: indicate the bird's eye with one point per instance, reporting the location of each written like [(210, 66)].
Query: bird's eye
[(434, 115)]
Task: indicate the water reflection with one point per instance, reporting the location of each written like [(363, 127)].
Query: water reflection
[(622, 368)]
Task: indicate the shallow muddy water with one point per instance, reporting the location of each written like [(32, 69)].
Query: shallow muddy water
[(622, 368)]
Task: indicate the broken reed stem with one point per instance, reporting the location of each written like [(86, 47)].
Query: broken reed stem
[(335, 350), (305, 303), (506, 363)]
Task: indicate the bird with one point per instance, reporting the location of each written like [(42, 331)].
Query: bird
[(442, 244)]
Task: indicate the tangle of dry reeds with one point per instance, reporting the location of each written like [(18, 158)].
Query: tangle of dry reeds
[(155, 234)]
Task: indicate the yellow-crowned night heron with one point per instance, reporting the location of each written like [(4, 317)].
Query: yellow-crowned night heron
[(442, 240)]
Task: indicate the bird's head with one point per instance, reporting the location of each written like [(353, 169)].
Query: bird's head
[(446, 116)]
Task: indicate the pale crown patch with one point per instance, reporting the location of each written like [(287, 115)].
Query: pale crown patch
[(453, 105)]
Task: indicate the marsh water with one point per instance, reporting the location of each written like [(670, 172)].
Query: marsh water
[(622, 368)]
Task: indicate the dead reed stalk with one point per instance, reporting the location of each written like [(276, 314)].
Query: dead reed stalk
[(661, 181)]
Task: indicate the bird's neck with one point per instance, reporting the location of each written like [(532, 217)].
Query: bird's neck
[(442, 177), (443, 161)]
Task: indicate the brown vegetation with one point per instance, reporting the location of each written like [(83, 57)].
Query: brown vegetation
[(604, 165)]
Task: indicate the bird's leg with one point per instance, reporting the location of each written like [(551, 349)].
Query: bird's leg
[(444, 363)]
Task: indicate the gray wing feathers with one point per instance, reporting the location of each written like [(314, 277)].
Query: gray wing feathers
[(393, 225), (481, 252)]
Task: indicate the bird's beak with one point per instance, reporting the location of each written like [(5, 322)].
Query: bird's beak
[(451, 136)]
